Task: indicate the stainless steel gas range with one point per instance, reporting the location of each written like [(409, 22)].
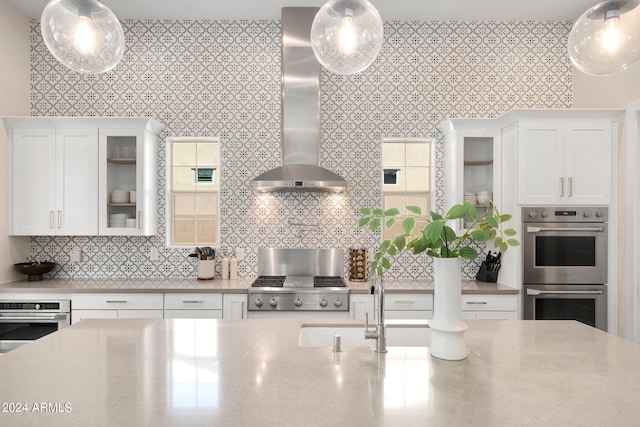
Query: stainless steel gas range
[(299, 280)]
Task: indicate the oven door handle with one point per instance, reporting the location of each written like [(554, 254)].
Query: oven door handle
[(585, 229), (32, 318), (536, 292)]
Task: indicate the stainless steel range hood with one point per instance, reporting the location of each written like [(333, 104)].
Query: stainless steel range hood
[(300, 143)]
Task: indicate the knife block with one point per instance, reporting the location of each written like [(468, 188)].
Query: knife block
[(487, 276)]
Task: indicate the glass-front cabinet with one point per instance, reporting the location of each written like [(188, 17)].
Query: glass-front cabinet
[(471, 161), (83, 175), (128, 193)]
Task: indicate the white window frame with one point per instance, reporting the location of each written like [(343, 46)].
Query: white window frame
[(169, 191), (432, 171)]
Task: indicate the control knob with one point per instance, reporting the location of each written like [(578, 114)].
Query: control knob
[(598, 214), (532, 214), (323, 302), (273, 302), (258, 302), (37, 306), (338, 302), (586, 214), (545, 214), (298, 302)]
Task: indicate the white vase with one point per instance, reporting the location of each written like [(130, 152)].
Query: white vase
[(447, 326)]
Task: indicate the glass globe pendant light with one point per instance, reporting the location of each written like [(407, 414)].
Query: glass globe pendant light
[(346, 35), (606, 38), (83, 35)]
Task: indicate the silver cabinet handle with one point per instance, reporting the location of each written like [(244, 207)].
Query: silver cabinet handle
[(404, 301), (139, 219), (116, 301), (570, 186), (51, 224), (561, 187), (477, 302), (59, 219), (192, 302)]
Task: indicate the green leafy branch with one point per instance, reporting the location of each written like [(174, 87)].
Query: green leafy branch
[(436, 238)]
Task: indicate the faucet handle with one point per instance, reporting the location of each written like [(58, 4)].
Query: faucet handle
[(366, 320)]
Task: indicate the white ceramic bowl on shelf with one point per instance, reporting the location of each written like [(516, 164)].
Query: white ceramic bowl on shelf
[(119, 196)]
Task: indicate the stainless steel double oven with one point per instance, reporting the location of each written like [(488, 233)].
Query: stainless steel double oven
[(565, 264)]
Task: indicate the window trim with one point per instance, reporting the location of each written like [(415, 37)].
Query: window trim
[(169, 190)]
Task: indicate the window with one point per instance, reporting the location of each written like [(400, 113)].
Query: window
[(406, 165), (192, 194)]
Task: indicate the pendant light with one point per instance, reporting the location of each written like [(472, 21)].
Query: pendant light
[(606, 38), (346, 35), (83, 35)]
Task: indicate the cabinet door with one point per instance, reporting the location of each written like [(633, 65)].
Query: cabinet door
[(541, 162), (78, 315), (76, 182), (234, 306), (588, 162), (123, 169), (33, 182), (361, 304)]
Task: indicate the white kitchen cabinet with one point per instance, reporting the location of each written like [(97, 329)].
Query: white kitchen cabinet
[(53, 181), (128, 159), (64, 169), (408, 306), (471, 160), (565, 162), (360, 305), (119, 305), (487, 306), (234, 306), (193, 306)]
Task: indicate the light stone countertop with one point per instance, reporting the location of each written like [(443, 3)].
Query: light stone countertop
[(253, 373), (226, 286)]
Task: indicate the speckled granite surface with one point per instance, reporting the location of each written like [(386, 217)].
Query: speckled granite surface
[(253, 373)]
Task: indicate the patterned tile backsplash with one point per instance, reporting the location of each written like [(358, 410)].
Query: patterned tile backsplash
[(222, 78)]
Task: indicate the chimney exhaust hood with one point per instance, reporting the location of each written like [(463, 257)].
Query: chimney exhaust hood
[(300, 112)]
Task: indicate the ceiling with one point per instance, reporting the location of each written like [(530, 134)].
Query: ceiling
[(403, 10)]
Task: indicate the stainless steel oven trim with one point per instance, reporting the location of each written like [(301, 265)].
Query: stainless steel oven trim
[(565, 275), (60, 316), (596, 292)]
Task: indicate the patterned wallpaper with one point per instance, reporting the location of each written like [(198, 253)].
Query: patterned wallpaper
[(203, 78)]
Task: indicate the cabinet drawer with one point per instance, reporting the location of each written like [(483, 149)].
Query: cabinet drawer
[(78, 315), (409, 302), (408, 314), (193, 314), (117, 301), (489, 302), (193, 301)]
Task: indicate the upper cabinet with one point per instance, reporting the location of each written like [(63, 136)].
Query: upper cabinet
[(566, 160), (472, 163), (54, 181), (64, 172)]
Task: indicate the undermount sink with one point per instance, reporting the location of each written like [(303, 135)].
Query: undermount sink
[(399, 334)]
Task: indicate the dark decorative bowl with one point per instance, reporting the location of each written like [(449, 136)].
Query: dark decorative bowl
[(34, 270)]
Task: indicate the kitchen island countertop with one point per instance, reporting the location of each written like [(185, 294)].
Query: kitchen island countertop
[(239, 286), (253, 373)]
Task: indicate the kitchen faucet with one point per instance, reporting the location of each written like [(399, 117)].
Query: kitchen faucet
[(380, 332)]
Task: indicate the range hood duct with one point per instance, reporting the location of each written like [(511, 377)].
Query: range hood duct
[(300, 142)]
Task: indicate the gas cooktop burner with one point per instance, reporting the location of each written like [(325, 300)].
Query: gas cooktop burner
[(268, 282), (328, 282)]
